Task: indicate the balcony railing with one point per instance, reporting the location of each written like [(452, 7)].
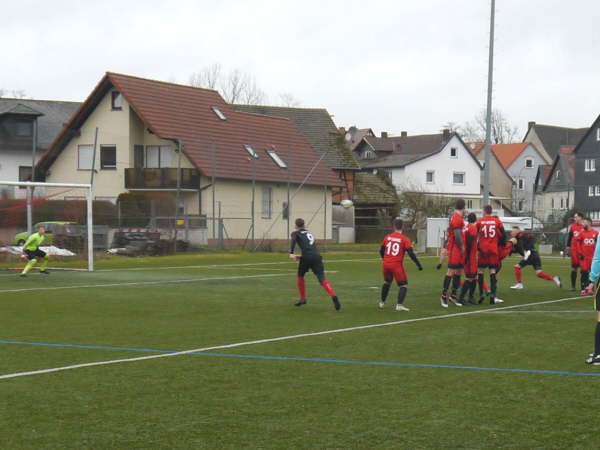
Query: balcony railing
[(161, 179)]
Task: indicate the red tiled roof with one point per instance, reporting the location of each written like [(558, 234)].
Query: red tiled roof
[(505, 153), (182, 112)]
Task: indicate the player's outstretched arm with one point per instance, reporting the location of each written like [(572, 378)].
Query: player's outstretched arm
[(382, 251), (412, 256), (595, 271)]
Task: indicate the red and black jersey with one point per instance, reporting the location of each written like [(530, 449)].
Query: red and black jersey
[(393, 246), (456, 223), (586, 243), (490, 231), (307, 243), (574, 230), (505, 250), (470, 240)]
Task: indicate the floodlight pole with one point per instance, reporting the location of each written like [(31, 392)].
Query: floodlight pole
[(177, 194), (488, 116), (30, 190)]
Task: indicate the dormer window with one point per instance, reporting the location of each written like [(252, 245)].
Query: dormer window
[(251, 151), (557, 174), (24, 128), (218, 113), (598, 134), (453, 152), (275, 157), (116, 101), (529, 163)]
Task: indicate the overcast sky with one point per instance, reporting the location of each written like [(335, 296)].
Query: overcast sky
[(389, 65)]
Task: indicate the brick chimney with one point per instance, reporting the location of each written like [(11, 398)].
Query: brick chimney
[(384, 134), (403, 133), (446, 134)]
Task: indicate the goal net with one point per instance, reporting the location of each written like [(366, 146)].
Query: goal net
[(65, 211)]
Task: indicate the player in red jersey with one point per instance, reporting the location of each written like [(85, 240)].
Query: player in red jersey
[(470, 259), (574, 229), (586, 245), (491, 238), (393, 248), (456, 252)]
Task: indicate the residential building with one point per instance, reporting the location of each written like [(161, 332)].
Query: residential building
[(555, 187), (587, 172), (318, 128), (521, 161), (354, 136), (374, 203), (501, 183), (549, 139), (24, 125), (437, 165), (232, 165)]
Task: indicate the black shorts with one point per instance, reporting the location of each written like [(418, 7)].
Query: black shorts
[(32, 254), (314, 263), (575, 266), (533, 260)]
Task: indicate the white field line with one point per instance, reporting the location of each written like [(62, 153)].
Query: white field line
[(590, 312), (145, 283), (275, 339)]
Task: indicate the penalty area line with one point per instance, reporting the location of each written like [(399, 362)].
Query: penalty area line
[(275, 339)]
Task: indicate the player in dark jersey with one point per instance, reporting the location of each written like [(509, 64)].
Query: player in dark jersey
[(392, 250), (574, 229), (523, 243), (310, 260), (456, 250), (470, 261)]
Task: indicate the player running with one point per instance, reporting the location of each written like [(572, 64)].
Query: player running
[(585, 243), (491, 238), (392, 250), (470, 260), (594, 358), (523, 243), (455, 249), (574, 229), (32, 252), (310, 259)]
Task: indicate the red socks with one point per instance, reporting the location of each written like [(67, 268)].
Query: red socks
[(518, 276), (545, 276), (328, 288), (485, 289), (301, 287)]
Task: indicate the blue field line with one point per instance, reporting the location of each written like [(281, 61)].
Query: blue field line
[(317, 360)]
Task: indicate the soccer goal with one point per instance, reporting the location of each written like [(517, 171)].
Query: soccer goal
[(64, 210)]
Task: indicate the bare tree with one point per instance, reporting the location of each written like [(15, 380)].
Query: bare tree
[(288, 99), (235, 86), (502, 130), (415, 204), (13, 93)]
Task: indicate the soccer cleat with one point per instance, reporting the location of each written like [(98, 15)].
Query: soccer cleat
[(300, 302), (517, 286), (454, 300), (584, 293), (498, 300), (336, 303), (401, 307), (444, 301), (594, 360), (557, 281), (22, 275), (381, 305), (45, 272)]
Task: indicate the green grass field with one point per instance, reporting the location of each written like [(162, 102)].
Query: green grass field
[(497, 377)]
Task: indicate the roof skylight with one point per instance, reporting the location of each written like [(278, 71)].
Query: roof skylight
[(218, 113), (275, 157), (250, 150)]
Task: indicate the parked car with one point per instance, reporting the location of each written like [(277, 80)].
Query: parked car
[(57, 233)]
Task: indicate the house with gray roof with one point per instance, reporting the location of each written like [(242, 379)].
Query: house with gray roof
[(555, 187), (318, 128), (27, 129), (549, 139)]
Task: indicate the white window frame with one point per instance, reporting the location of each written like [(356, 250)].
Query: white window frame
[(455, 150), (116, 101), (590, 165), (529, 160), (562, 203), (464, 177), (520, 205), (551, 202), (88, 148), (470, 204), (277, 159), (251, 151), (598, 134), (590, 191), (597, 188), (113, 200), (432, 172), (266, 202), (557, 174), (107, 167), (521, 183), (163, 161), (218, 113)]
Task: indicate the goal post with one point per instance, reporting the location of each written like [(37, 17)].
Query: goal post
[(65, 209)]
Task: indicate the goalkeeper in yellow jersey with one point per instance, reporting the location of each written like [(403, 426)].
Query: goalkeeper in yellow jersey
[(32, 252)]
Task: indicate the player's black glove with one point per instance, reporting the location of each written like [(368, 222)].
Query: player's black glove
[(438, 267)]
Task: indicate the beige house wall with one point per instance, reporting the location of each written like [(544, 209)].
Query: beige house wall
[(532, 137), (544, 207)]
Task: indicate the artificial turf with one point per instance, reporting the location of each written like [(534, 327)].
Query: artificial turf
[(422, 384)]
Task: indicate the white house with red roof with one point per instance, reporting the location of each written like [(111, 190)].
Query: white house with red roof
[(149, 131)]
